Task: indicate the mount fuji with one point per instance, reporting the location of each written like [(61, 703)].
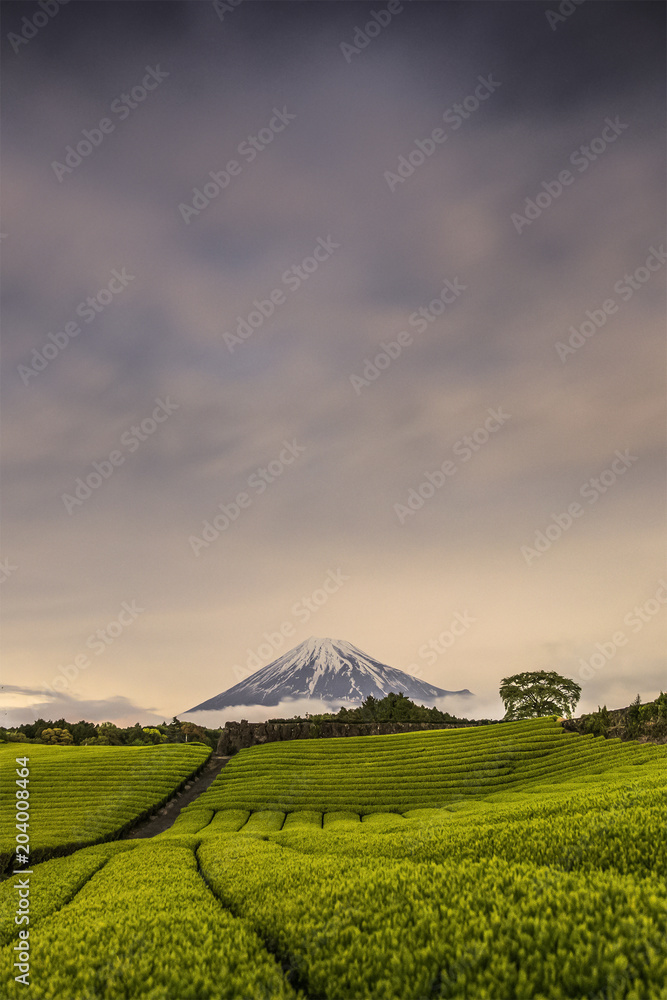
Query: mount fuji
[(330, 670)]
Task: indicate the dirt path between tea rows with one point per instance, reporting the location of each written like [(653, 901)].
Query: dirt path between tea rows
[(165, 817)]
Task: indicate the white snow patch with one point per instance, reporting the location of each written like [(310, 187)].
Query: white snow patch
[(334, 668)]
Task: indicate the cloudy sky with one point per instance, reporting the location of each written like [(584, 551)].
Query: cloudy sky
[(402, 361)]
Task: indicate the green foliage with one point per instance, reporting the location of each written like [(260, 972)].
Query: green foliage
[(634, 722), (52, 884), (383, 821), (190, 820), (633, 718), (227, 821), (659, 707), (435, 912), (598, 723), (653, 718), (537, 693), (614, 824), (146, 926), (108, 734), (154, 735), (305, 818), (82, 730), (392, 708), (339, 818), (83, 795), (264, 821), (397, 773), (193, 733), (61, 736), (547, 884), (174, 732), (12, 736)]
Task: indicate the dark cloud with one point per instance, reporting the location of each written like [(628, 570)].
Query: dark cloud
[(323, 176), (34, 705)]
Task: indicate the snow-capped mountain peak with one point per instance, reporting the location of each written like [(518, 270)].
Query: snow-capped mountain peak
[(326, 669)]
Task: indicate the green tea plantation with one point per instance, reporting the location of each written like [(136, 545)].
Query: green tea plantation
[(505, 862), (83, 795)]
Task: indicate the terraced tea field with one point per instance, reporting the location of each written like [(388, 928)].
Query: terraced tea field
[(82, 795), (514, 861), (412, 770)]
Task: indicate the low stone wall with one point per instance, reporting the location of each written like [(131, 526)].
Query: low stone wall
[(239, 735)]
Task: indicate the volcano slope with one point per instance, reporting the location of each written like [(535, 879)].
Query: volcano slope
[(513, 861)]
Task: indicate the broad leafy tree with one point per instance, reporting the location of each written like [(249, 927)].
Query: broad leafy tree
[(194, 734), (538, 692), (56, 735), (154, 734)]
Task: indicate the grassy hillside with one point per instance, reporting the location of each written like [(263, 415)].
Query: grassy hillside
[(409, 771), (81, 795), (545, 881)]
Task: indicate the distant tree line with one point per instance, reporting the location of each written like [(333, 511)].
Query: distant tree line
[(525, 695), (392, 708), (107, 734), (634, 722)]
